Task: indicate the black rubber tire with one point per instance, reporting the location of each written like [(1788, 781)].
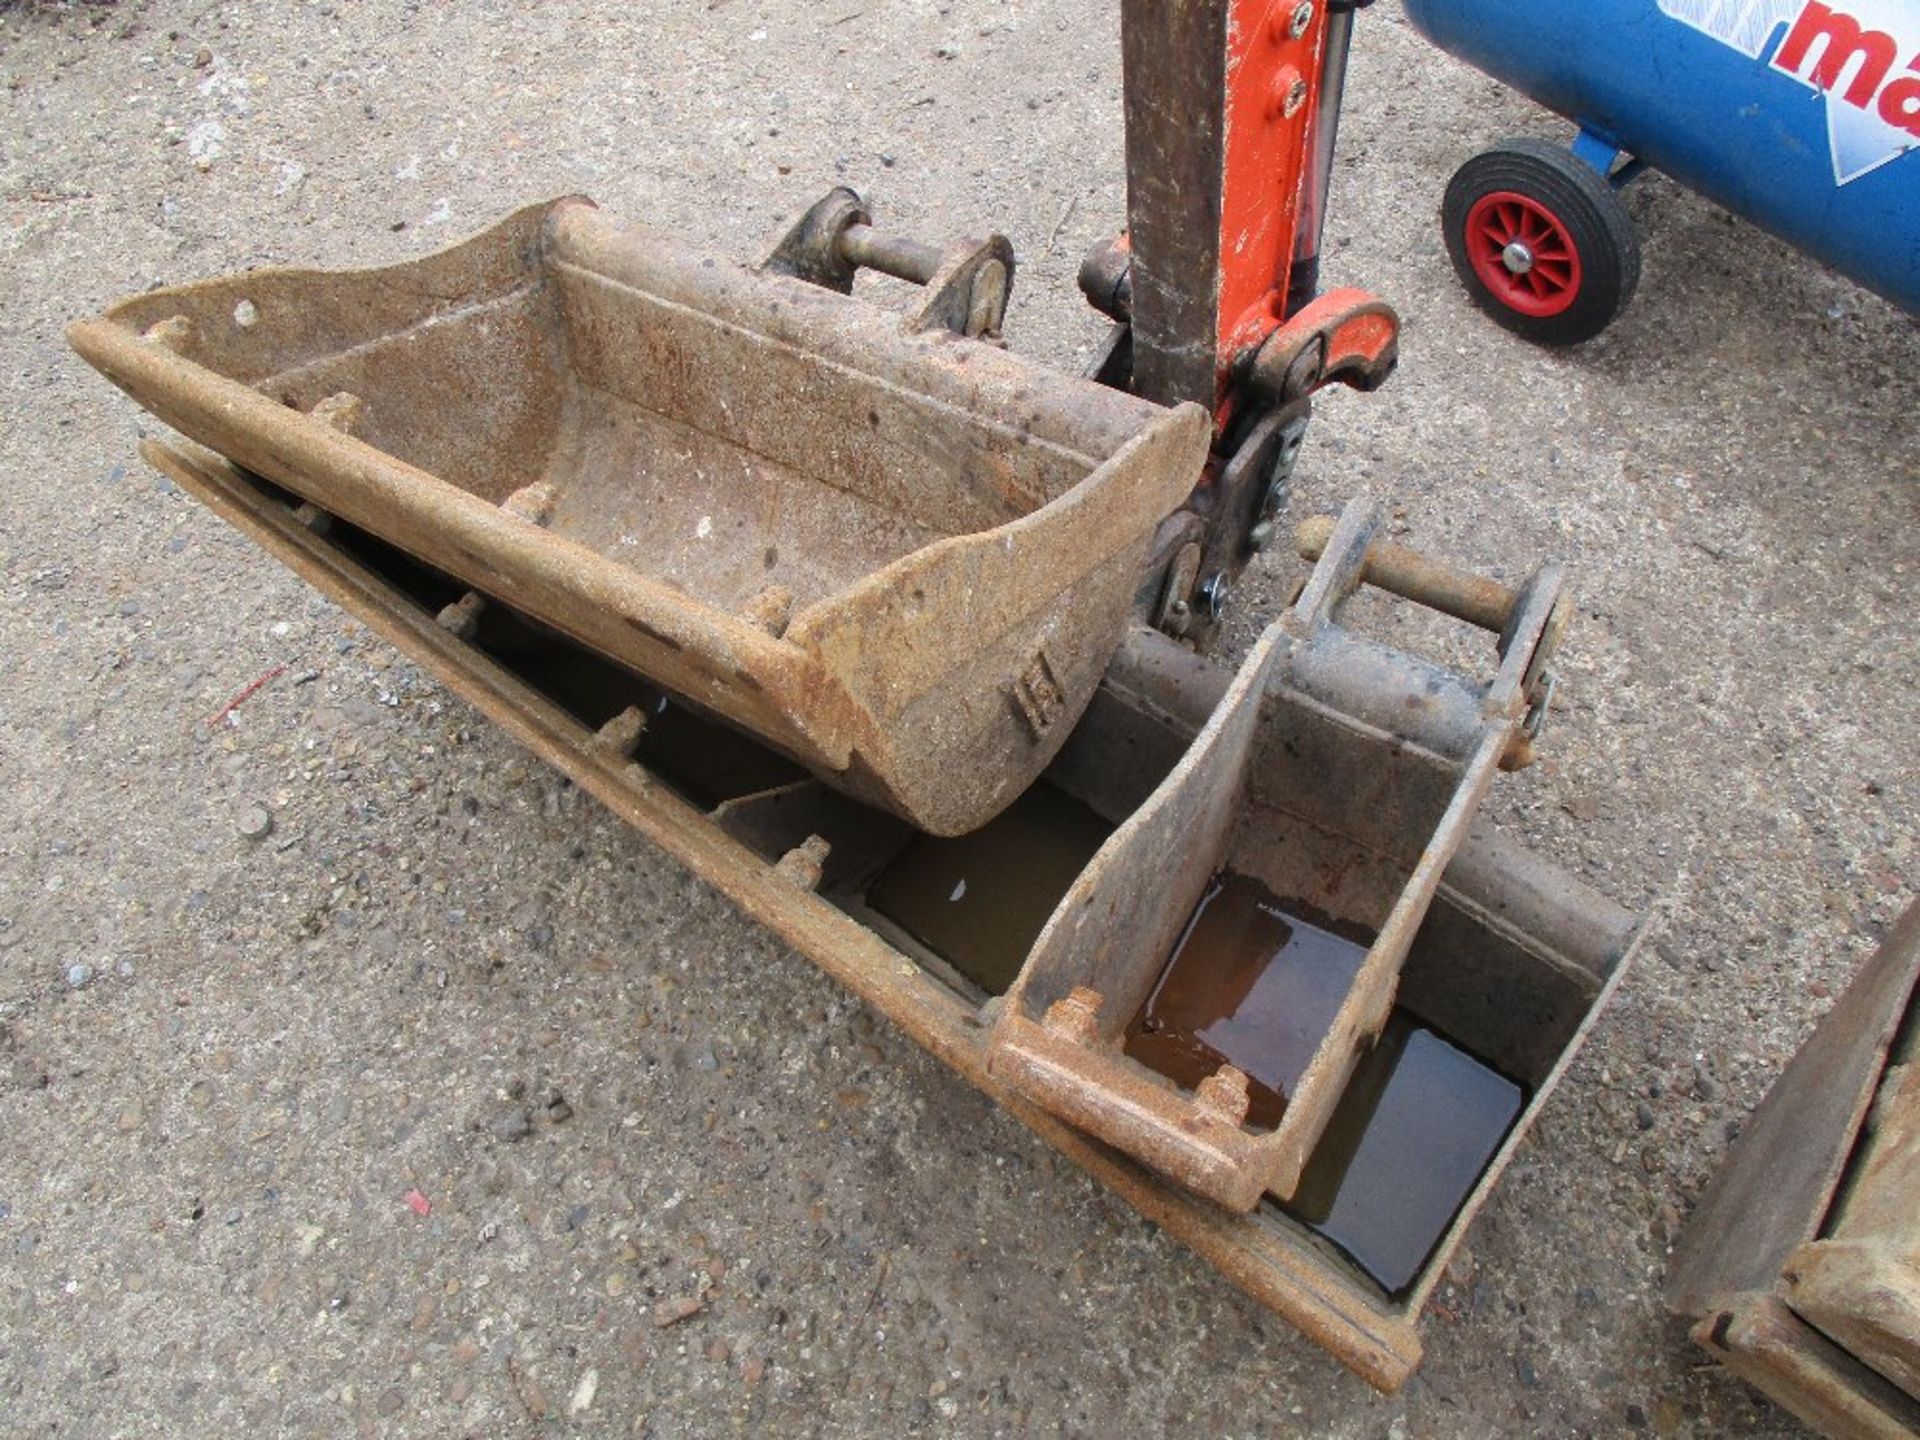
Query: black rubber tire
[(1588, 208)]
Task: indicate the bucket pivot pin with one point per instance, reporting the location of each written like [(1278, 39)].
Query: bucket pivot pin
[(968, 283)]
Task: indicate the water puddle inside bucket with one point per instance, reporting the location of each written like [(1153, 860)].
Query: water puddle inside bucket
[(979, 901), (1255, 982), (1418, 1124), (705, 761)]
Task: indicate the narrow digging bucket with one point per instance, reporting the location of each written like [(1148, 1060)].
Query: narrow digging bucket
[(898, 555), (1202, 995)]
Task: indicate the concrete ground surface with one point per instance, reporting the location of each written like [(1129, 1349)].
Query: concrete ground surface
[(226, 1061)]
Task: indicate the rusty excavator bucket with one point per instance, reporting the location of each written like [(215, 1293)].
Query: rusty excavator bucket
[(889, 549), (1800, 1270)]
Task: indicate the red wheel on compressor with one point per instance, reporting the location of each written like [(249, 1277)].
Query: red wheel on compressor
[(1541, 241), (1523, 254)]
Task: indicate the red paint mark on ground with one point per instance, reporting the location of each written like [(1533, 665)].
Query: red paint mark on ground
[(247, 692)]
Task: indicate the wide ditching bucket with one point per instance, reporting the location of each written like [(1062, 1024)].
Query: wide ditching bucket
[(883, 545)]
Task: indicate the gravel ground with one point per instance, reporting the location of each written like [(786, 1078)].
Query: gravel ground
[(427, 1110)]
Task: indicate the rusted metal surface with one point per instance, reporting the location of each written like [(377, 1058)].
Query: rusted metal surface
[(1863, 1291), (1811, 1225), (1860, 1282), (1227, 131), (1781, 1177), (1174, 54), (1472, 598), (1548, 947), (968, 284), (895, 554), (1762, 1341), (1230, 114), (1106, 279), (1345, 337), (1336, 772)]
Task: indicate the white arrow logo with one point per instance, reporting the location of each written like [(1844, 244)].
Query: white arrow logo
[(1851, 58)]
